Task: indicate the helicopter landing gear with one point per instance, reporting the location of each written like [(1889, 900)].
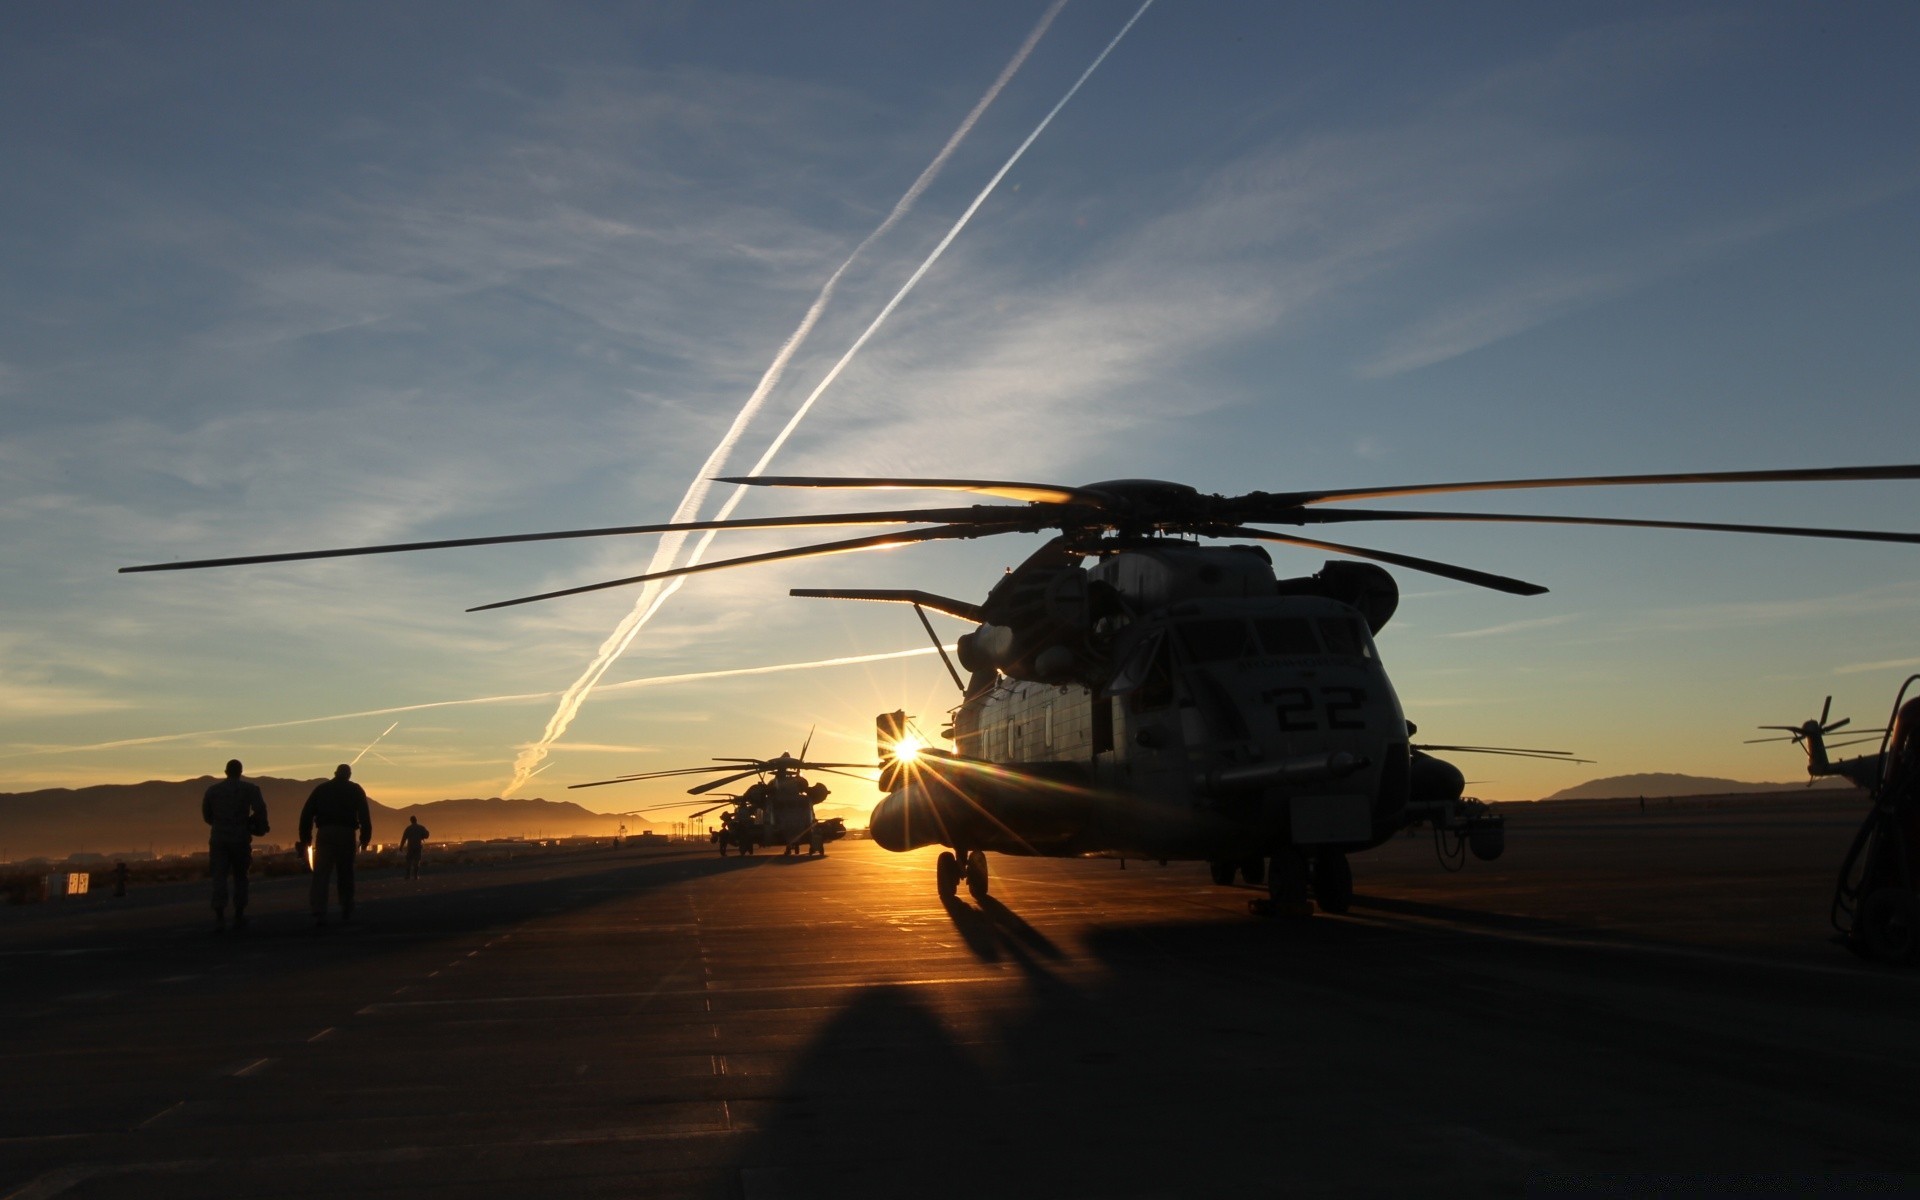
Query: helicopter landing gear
[(977, 874), (1254, 871), (946, 874), (1286, 888), (1889, 925), (1332, 882), (1221, 872)]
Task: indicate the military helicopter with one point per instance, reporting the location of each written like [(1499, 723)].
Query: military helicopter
[(1174, 700), (775, 810), (1876, 901), (1811, 736)]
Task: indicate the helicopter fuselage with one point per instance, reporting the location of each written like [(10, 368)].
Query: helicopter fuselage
[(1224, 727)]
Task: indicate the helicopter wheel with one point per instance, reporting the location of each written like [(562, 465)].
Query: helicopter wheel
[(1889, 924), (1332, 882), (1287, 885), (1221, 872), (946, 874), (723, 847), (1254, 871), (977, 874)]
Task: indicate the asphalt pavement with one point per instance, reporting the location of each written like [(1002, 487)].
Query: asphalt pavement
[(1623, 1002)]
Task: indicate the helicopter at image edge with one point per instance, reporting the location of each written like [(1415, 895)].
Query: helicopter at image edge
[(1876, 899), (777, 809), (1175, 700)]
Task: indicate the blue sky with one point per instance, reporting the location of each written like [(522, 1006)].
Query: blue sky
[(279, 277)]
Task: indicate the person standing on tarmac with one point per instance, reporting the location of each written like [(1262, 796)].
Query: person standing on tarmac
[(413, 837), (334, 814), (235, 812)]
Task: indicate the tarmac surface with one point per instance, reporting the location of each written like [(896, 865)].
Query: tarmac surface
[(1624, 1003)]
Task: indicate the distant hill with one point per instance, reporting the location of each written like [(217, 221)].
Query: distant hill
[(1662, 783), (165, 814)]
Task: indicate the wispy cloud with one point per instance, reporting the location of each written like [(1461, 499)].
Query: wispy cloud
[(1888, 664), (1523, 626)]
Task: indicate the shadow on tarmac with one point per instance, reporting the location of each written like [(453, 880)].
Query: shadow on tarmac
[(1314, 1057)]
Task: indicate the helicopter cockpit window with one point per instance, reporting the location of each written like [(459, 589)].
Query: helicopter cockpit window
[(1287, 635), (1343, 635), (1215, 640)]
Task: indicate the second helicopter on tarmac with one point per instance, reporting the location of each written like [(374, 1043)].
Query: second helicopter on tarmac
[(778, 809)]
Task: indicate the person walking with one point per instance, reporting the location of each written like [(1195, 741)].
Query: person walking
[(413, 837), (336, 822), (235, 813)]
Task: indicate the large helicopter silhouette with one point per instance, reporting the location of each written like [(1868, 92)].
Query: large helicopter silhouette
[(778, 809), (1876, 900), (1174, 700)]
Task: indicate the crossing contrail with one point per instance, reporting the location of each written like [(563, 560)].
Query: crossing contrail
[(652, 594), (375, 742)]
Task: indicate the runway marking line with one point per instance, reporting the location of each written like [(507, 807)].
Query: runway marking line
[(176, 1106), (1003, 979), (253, 1068), (329, 1030)]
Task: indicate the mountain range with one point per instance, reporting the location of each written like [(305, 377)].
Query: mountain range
[(165, 816), (1660, 784)]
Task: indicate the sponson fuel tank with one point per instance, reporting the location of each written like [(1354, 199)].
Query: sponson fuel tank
[(1044, 808)]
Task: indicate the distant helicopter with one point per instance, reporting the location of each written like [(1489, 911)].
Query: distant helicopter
[(1173, 700), (1811, 736), (776, 810), (1876, 901)]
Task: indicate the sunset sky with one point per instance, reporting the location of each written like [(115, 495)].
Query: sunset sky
[(280, 277)]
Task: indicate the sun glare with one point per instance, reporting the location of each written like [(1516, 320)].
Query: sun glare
[(908, 748)]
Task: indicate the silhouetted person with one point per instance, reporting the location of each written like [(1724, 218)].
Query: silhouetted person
[(413, 837), (235, 812), (335, 819)]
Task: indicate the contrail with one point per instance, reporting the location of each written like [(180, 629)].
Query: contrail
[(514, 698), (651, 595), (799, 414), (375, 742)]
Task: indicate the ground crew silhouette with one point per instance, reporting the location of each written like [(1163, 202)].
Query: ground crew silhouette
[(334, 814), (413, 837), (235, 812)]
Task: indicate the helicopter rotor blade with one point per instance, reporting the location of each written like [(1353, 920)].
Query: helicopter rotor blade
[(673, 806), (1565, 756), (1499, 583), (818, 550), (1036, 493), (953, 608), (818, 520), (650, 775), (1841, 723), (1336, 516), (1813, 475), (1757, 741), (1824, 710), (848, 774), (703, 788)]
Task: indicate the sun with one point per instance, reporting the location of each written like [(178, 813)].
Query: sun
[(908, 748)]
